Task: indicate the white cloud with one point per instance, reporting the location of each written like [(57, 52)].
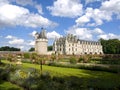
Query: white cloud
[(32, 3), (97, 15), (16, 41), (24, 2), (53, 35), (111, 6), (85, 33), (35, 20), (98, 31), (82, 20), (33, 33), (12, 15), (66, 8), (109, 36), (91, 1), (10, 37), (21, 47), (31, 43), (82, 33), (3, 2), (39, 8), (13, 12), (19, 42)]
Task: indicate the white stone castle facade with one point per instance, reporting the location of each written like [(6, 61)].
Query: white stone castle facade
[(69, 45)]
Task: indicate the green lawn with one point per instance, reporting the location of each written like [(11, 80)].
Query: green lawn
[(4, 85), (93, 77)]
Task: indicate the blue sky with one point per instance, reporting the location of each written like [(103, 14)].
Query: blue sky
[(88, 19)]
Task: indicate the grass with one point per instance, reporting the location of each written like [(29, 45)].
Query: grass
[(69, 71), (4, 85), (98, 78)]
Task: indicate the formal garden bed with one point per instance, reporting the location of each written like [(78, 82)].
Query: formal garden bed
[(29, 77)]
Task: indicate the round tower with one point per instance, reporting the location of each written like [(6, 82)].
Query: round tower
[(41, 42)]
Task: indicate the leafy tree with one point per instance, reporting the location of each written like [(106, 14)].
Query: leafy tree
[(10, 58), (53, 57), (41, 59), (50, 48), (111, 46), (33, 57), (38, 58), (31, 49), (7, 48)]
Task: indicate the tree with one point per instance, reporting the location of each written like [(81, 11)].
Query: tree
[(7, 48), (53, 56), (31, 49), (10, 58), (50, 48), (111, 46), (33, 57), (41, 59)]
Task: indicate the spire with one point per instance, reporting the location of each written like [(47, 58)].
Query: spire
[(43, 33)]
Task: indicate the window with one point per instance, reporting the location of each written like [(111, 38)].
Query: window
[(72, 49), (72, 44), (76, 49)]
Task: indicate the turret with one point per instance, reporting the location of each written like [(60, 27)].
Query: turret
[(41, 42)]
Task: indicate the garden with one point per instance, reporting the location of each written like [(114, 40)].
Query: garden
[(33, 72)]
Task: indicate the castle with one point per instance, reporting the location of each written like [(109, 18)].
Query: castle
[(68, 45)]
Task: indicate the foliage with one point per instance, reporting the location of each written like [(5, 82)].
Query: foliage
[(57, 78), (73, 60), (80, 59), (53, 56), (85, 58), (26, 55), (31, 49), (93, 67), (10, 57), (7, 48), (4, 85), (26, 61), (111, 46), (33, 57), (50, 48)]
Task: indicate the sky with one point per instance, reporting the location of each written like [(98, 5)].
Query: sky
[(87, 19)]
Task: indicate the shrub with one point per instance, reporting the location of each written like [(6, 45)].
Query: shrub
[(4, 75), (80, 59), (73, 60), (26, 61), (26, 55)]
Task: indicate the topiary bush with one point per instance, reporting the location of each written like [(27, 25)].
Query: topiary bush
[(80, 60), (73, 60)]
